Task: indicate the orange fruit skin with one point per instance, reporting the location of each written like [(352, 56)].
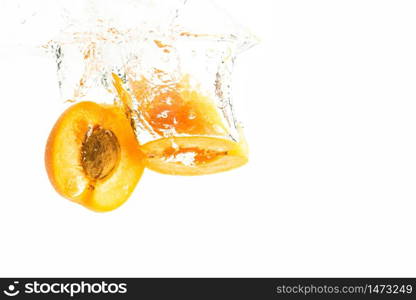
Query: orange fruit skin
[(63, 157)]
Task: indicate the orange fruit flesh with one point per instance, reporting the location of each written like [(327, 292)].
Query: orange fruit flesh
[(194, 155), (92, 156), (175, 110), (178, 109)]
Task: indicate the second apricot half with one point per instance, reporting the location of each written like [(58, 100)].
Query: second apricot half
[(92, 156)]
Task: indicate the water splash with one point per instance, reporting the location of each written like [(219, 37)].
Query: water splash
[(157, 41)]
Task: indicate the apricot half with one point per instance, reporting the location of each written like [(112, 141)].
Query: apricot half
[(188, 129), (178, 109), (92, 156)]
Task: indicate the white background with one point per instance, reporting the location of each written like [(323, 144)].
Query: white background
[(329, 104)]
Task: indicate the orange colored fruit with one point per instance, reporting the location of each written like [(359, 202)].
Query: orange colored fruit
[(92, 156), (187, 126), (194, 155), (177, 109)]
